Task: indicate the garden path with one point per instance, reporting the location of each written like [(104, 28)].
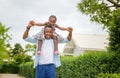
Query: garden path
[(10, 76)]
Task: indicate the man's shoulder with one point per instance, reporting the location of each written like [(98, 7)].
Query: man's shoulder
[(31, 39), (63, 40)]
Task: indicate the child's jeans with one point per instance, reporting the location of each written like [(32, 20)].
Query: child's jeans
[(46, 71)]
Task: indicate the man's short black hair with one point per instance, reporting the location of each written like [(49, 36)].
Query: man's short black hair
[(48, 26)]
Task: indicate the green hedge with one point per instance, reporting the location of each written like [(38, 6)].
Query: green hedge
[(11, 67), (107, 75), (26, 69), (85, 66)]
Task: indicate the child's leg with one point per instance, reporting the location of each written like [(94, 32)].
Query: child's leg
[(55, 44), (39, 47)]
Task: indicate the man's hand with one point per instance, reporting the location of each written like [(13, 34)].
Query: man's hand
[(31, 23), (39, 52), (57, 52), (69, 29)]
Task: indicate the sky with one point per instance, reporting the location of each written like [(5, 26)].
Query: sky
[(17, 13)]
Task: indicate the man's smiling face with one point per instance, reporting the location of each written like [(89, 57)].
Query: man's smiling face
[(48, 32)]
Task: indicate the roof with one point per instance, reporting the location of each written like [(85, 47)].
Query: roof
[(90, 41)]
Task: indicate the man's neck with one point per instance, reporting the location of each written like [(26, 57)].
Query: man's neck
[(47, 38)]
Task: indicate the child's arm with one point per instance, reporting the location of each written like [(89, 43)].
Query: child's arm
[(55, 44), (61, 28), (39, 47), (38, 24), (41, 24)]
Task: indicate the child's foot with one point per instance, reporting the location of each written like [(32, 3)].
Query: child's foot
[(57, 52), (39, 52)]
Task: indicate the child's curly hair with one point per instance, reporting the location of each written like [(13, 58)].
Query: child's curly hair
[(53, 16)]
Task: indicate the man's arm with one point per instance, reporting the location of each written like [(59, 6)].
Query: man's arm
[(26, 33), (68, 38), (61, 28), (30, 24)]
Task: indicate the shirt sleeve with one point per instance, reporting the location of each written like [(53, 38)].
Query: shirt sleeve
[(65, 40), (31, 39)]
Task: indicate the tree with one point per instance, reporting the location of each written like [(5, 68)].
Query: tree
[(4, 41), (104, 12), (22, 58), (18, 54), (30, 48), (17, 50)]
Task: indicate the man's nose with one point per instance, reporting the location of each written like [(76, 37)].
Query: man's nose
[(48, 33), (52, 23)]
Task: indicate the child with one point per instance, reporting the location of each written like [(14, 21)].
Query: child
[(52, 21)]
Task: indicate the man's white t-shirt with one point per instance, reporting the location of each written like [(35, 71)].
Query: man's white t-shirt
[(47, 52)]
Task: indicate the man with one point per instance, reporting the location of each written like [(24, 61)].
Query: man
[(46, 61)]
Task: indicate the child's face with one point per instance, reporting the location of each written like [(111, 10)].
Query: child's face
[(52, 21), (48, 33)]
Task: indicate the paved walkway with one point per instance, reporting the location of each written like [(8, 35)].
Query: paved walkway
[(10, 76)]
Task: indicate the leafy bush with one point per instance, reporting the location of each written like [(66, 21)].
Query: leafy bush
[(22, 58), (113, 64), (86, 66), (26, 69), (11, 67), (102, 75)]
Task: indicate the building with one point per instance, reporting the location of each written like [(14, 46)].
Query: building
[(82, 42)]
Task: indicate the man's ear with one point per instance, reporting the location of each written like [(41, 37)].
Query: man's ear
[(44, 30)]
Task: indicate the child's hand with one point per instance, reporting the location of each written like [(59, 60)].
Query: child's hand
[(39, 52), (29, 24), (69, 29), (32, 22), (57, 52)]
